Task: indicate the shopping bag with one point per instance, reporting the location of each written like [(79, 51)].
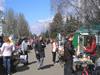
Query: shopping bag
[(23, 58)]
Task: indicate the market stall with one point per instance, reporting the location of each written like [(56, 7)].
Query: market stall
[(82, 59)]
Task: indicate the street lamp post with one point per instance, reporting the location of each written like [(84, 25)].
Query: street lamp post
[(1, 22)]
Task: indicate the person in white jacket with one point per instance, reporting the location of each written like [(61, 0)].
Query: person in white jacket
[(24, 49), (6, 51)]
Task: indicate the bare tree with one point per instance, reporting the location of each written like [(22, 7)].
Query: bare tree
[(81, 8)]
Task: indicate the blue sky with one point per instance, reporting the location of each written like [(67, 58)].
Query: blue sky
[(33, 10)]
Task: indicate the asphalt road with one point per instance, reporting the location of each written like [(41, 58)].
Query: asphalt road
[(48, 69)]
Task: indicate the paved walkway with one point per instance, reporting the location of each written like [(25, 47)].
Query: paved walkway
[(31, 69)]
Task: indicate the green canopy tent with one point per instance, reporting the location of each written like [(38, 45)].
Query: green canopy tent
[(83, 32)]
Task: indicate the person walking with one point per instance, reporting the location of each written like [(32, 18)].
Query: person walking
[(54, 48), (24, 49), (6, 51), (40, 52)]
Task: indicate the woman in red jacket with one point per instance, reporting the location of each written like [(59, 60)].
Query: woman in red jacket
[(91, 48)]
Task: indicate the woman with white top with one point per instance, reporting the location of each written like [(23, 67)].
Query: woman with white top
[(6, 50), (54, 48)]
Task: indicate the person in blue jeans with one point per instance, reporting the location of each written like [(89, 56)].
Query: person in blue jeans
[(6, 51), (7, 65)]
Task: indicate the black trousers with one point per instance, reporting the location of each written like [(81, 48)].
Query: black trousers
[(68, 67), (54, 57)]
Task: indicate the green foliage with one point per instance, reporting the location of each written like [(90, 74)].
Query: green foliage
[(10, 22), (57, 25), (15, 24), (22, 26), (71, 25)]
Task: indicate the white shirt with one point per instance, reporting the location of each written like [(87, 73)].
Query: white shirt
[(24, 46), (7, 49), (54, 47)]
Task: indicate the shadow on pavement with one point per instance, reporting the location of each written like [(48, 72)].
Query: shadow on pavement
[(32, 62), (22, 68), (47, 66), (1, 70)]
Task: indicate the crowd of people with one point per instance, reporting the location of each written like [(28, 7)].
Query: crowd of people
[(10, 52), (14, 52), (68, 53), (64, 48)]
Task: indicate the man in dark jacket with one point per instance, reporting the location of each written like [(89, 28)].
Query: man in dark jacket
[(68, 55), (40, 53)]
